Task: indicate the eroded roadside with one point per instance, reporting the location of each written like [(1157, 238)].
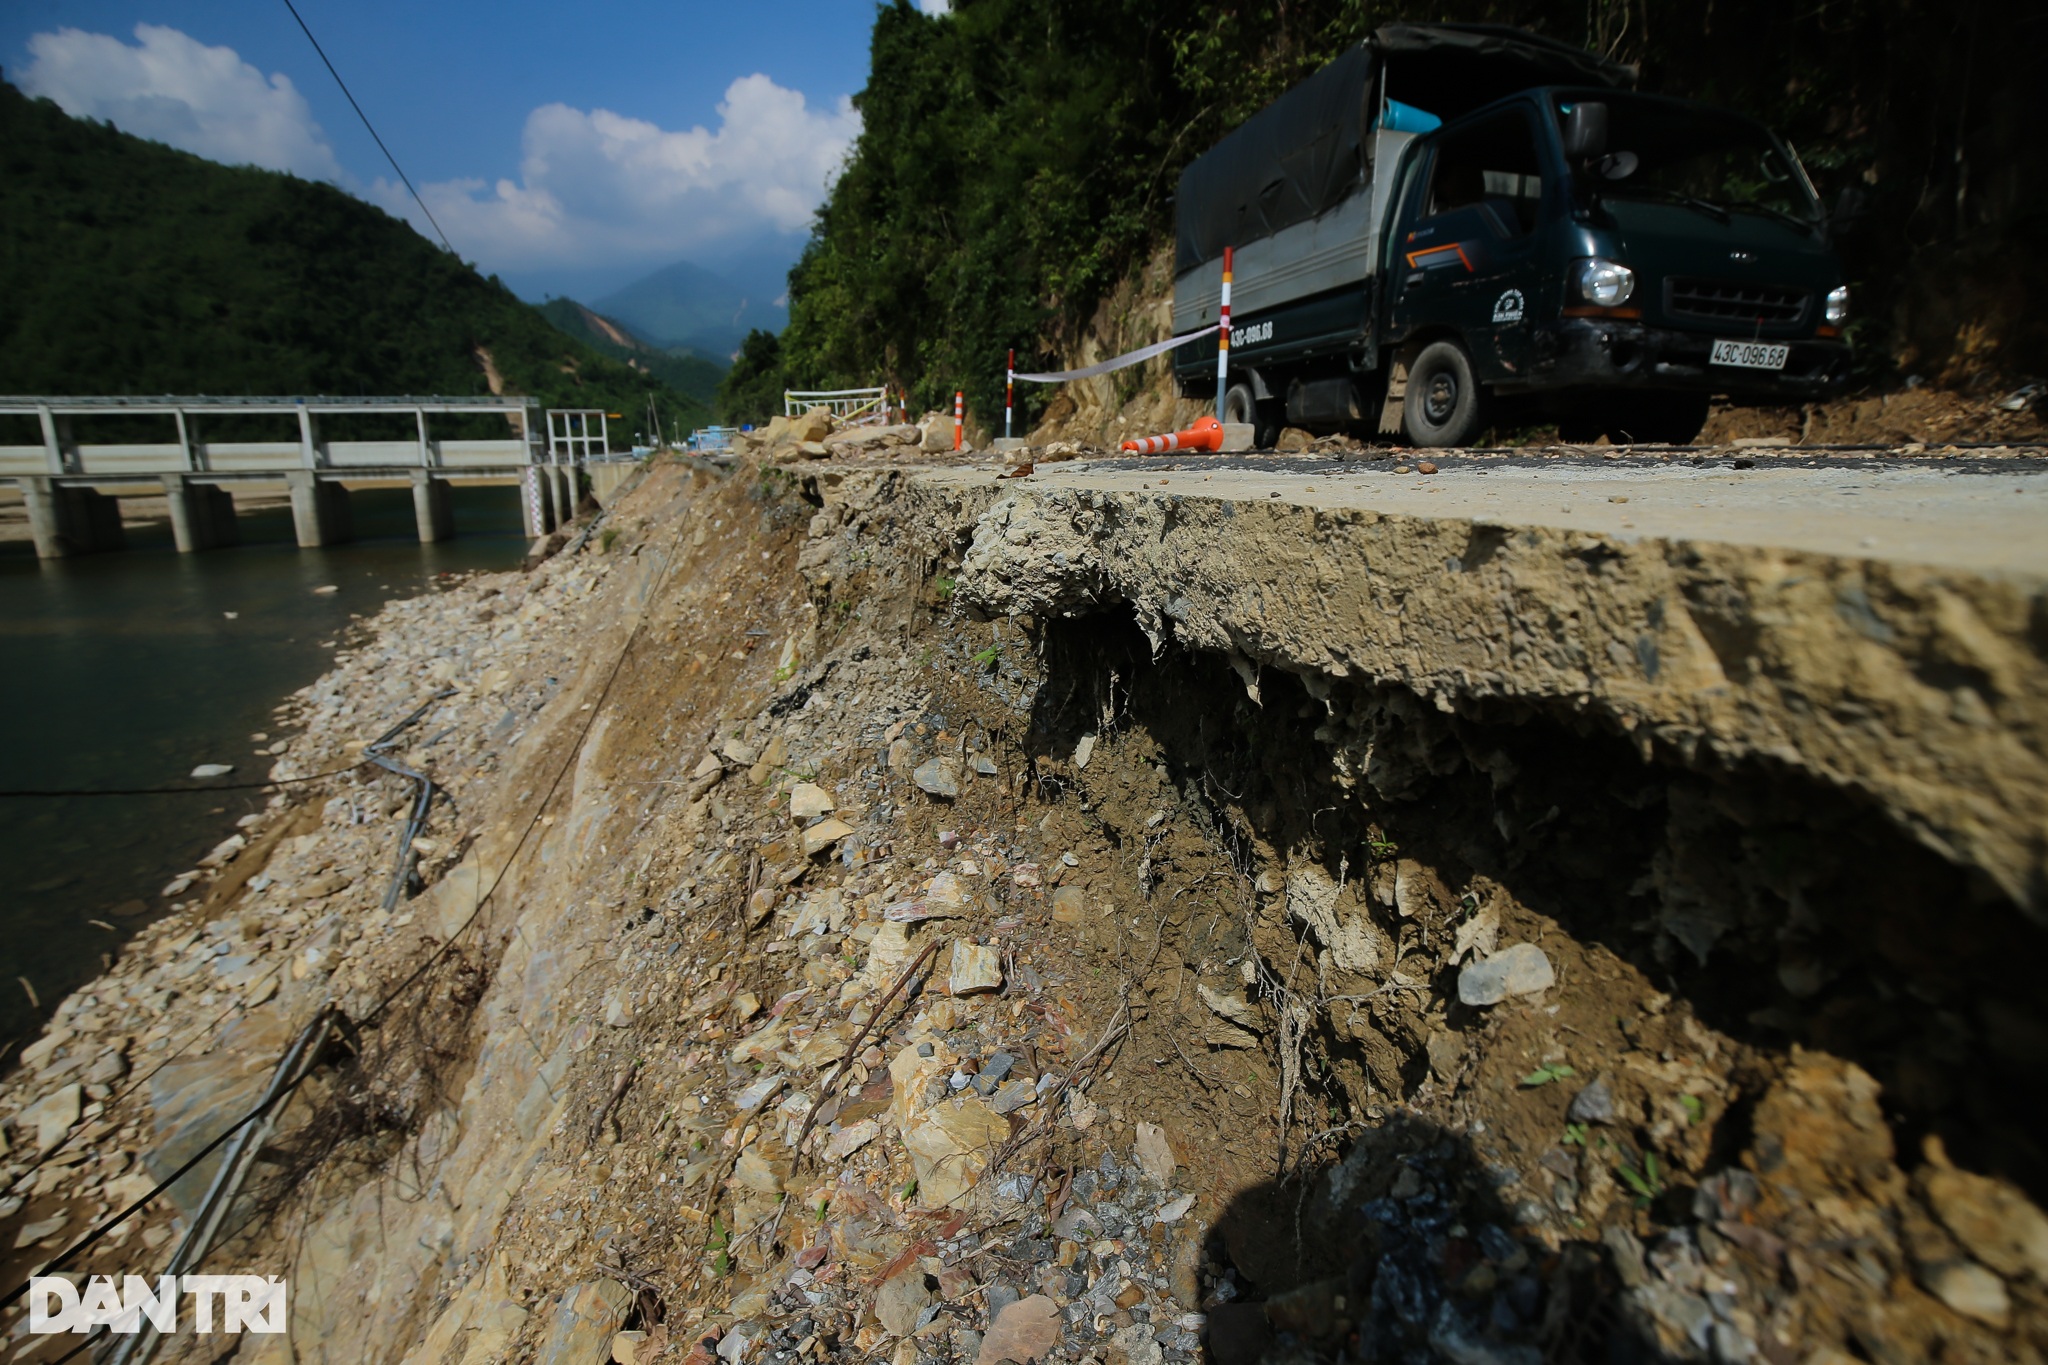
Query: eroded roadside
[(1315, 947)]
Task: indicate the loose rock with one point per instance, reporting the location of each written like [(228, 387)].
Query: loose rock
[(1594, 1104), (939, 776), (1155, 1153), (1519, 969), (807, 801), (53, 1116), (974, 968), (1023, 1332)]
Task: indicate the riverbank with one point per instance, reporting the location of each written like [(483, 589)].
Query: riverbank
[(271, 921), (1284, 971), (129, 669)]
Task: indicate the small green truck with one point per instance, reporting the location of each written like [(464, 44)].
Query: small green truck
[(1454, 224)]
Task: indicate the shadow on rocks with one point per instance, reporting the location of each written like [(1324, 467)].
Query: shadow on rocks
[(1405, 1250)]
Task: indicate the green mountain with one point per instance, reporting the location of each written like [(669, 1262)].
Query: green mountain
[(129, 267), (679, 367), (685, 305)]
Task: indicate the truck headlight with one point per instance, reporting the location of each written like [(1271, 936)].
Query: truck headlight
[(1605, 283), (1838, 305)]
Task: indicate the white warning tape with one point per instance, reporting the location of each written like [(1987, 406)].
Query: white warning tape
[(1120, 362)]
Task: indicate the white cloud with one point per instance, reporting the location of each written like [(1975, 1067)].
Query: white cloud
[(594, 188), (175, 89), (936, 6), (597, 187)]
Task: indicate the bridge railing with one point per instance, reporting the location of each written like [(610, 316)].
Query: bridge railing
[(60, 454)]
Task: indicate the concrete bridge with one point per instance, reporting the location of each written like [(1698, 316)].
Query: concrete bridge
[(64, 480)]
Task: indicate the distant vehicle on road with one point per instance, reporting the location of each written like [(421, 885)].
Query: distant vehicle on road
[(1456, 222)]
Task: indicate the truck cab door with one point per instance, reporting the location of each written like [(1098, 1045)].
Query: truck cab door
[(1465, 249)]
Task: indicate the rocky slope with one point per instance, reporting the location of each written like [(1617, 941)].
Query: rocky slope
[(830, 950)]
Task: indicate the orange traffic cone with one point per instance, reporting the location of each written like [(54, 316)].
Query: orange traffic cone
[(1205, 434)]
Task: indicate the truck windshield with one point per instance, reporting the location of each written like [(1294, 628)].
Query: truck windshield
[(1714, 162)]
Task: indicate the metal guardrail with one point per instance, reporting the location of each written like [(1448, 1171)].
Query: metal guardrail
[(554, 436), (855, 407)]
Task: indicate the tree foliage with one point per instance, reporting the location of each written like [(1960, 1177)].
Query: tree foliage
[(752, 391), (1017, 157), (127, 267)]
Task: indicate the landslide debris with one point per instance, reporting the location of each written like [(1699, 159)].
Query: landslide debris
[(838, 977)]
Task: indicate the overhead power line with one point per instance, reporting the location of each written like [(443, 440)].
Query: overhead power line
[(368, 125)]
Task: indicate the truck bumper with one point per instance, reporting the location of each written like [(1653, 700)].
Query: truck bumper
[(1605, 353)]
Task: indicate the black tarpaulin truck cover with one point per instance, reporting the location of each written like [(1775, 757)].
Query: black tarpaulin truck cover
[(1309, 150)]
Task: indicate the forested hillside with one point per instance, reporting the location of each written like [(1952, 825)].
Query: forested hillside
[(678, 367), (1018, 157), (128, 267)]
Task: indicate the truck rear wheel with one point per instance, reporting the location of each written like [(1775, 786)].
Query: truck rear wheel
[(1445, 405), (1240, 404)]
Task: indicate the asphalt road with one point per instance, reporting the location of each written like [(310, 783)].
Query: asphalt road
[(1984, 514)]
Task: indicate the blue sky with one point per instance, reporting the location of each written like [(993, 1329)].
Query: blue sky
[(566, 147)]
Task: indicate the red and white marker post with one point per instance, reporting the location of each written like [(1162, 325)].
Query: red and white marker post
[(1223, 338), (959, 410), (1009, 392)]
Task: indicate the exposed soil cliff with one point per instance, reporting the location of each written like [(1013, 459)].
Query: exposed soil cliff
[(885, 911)]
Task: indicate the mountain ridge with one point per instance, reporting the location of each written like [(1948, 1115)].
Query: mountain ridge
[(132, 267), (687, 305)]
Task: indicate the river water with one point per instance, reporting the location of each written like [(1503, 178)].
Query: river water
[(129, 669)]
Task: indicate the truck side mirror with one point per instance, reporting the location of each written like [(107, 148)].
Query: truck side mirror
[(1585, 132)]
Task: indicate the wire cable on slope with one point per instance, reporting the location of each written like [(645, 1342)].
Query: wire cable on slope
[(51, 792), (366, 123)]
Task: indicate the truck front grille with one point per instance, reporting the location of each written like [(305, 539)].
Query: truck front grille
[(1774, 305)]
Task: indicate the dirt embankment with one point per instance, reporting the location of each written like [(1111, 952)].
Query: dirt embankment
[(1258, 1003)]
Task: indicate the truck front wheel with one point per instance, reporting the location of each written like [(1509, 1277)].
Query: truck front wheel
[(1445, 406)]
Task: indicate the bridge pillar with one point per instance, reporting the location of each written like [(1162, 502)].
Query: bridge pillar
[(566, 491), (71, 521), (430, 507), (320, 512), (202, 514)]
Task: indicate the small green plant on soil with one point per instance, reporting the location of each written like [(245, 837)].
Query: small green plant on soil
[(1544, 1075), (1575, 1135), (606, 539), (1695, 1108), (1648, 1183), (721, 1258), (987, 657), (942, 590), (1381, 847)]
